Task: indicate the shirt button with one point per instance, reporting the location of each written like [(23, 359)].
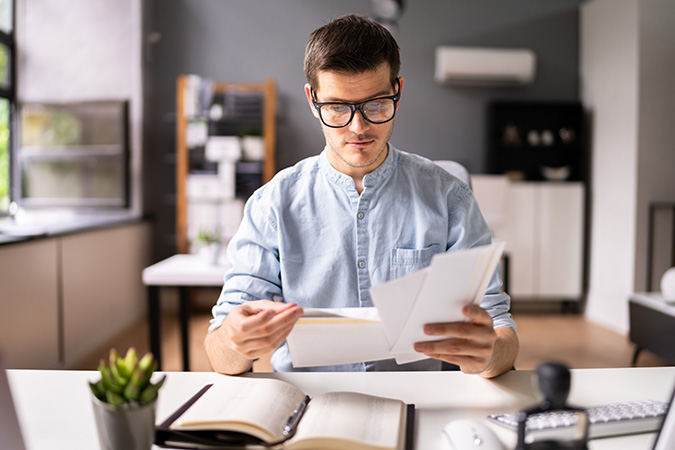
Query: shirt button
[(362, 264), (360, 216)]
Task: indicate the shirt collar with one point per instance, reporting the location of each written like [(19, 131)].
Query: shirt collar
[(377, 176)]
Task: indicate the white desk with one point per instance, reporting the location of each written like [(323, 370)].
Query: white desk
[(55, 411), (180, 271)]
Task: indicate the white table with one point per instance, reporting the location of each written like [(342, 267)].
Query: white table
[(55, 411), (182, 272)]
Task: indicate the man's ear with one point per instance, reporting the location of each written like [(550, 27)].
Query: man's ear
[(400, 89), (308, 93)]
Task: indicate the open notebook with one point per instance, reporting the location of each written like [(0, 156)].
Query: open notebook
[(9, 422)]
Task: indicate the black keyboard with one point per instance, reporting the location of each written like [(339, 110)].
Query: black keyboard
[(605, 420)]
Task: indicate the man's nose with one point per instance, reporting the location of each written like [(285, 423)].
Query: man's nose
[(359, 123)]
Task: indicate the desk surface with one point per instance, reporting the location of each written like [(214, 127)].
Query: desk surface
[(55, 411), (185, 270), (655, 301)]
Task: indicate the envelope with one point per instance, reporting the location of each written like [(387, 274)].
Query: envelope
[(337, 336)]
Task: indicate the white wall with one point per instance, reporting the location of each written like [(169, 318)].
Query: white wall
[(80, 50), (656, 124), (609, 83), (626, 89)]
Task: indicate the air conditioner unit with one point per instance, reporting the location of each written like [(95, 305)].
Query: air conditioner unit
[(484, 66)]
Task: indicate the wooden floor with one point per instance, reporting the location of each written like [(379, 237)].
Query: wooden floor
[(567, 338)]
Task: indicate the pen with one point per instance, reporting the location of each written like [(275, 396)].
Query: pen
[(294, 418)]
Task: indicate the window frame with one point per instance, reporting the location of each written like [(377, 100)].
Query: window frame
[(121, 151)]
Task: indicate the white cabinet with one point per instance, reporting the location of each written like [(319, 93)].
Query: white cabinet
[(544, 231)]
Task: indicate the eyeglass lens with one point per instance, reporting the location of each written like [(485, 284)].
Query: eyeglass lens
[(379, 110)]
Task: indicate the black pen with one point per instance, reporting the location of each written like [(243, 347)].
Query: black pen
[(295, 418)]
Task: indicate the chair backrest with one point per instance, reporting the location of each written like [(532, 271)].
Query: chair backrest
[(456, 169), (490, 192)]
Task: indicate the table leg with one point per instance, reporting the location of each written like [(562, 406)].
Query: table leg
[(638, 349), (184, 326), (153, 324)]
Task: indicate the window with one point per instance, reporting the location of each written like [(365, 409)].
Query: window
[(73, 154), (7, 93)]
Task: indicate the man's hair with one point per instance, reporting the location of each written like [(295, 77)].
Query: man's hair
[(350, 44)]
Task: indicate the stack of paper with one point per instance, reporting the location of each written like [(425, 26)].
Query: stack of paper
[(434, 294)]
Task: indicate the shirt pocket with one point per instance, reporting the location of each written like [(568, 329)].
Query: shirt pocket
[(404, 261)]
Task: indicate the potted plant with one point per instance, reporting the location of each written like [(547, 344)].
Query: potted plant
[(124, 401), (210, 244)]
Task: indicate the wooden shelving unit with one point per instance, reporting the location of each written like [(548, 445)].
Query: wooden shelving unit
[(268, 90)]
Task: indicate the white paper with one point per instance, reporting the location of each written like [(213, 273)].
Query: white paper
[(451, 281), (402, 306)]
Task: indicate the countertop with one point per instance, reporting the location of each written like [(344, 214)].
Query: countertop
[(36, 225)]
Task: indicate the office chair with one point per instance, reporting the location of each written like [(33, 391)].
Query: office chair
[(456, 169)]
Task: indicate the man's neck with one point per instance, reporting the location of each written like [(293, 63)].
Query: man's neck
[(356, 173)]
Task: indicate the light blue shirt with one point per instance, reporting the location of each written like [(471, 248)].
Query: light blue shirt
[(308, 237)]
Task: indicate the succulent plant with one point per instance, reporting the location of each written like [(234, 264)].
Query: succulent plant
[(126, 381)]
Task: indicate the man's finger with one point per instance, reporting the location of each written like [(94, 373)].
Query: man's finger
[(269, 322), (454, 347), (477, 314), (460, 330)]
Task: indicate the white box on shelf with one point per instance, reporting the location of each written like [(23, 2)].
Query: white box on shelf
[(253, 148), (204, 187), (223, 148)]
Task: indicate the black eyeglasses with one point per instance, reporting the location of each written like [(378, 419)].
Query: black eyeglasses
[(340, 114)]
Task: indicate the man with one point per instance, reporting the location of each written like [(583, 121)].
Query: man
[(361, 213)]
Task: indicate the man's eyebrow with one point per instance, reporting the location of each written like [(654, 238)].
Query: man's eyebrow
[(339, 100)]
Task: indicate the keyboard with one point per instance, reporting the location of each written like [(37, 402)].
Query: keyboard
[(604, 420)]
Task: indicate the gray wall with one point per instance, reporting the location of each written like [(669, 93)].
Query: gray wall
[(250, 40)]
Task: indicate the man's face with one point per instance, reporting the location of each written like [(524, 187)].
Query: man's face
[(361, 146)]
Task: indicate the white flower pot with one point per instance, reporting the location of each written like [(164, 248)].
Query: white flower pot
[(210, 252)]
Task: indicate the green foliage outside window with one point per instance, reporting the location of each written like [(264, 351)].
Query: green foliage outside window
[(4, 154), (4, 66)]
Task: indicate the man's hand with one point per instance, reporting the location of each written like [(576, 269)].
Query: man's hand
[(475, 346), (249, 331), (258, 327)]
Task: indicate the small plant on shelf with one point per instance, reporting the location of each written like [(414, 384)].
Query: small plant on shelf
[(125, 382), (207, 236)]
